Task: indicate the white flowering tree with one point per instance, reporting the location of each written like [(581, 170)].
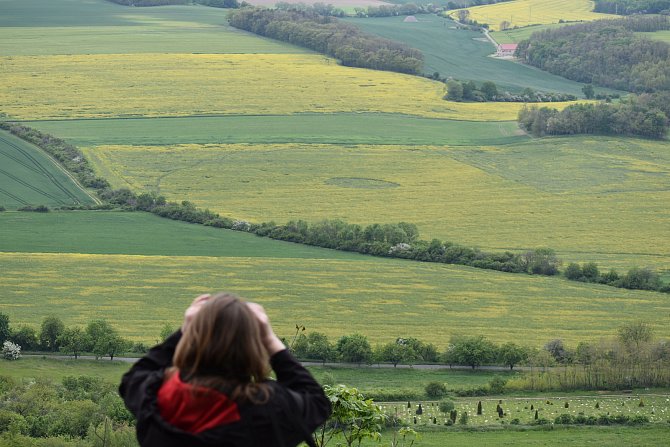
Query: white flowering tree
[(11, 351)]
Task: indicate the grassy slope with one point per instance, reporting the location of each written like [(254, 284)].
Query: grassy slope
[(554, 192), (381, 298), (343, 128), (464, 54), (29, 177)]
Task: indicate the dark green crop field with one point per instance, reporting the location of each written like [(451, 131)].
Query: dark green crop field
[(104, 232), (337, 128), (30, 177), (463, 54)]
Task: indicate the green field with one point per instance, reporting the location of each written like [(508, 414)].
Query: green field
[(336, 128), (464, 54), (381, 298), (29, 177)]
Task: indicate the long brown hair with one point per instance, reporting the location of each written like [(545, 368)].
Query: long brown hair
[(222, 349)]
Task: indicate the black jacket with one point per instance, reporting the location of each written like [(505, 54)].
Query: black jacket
[(297, 406)]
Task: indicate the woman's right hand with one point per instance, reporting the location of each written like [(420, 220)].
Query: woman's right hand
[(193, 309), (272, 343)]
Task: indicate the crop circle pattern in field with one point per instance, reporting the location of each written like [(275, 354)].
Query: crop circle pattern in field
[(361, 183)]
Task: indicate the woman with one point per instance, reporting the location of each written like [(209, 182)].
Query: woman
[(207, 384)]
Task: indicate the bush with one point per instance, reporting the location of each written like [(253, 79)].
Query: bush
[(11, 351), (446, 405), (36, 209), (436, 390), (391, 395), (463, 420)]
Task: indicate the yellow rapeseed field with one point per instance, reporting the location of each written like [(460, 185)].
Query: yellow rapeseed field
[(591, 199), (112, 85), (533, 12), (380, 298)]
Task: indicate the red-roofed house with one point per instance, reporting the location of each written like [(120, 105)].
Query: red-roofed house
[(506, 49)]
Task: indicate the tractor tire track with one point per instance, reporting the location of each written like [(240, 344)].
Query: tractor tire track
[(34, 188), (40, 169), (12, 196), (44, 171)]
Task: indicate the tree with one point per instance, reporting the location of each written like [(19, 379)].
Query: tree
[(52, 328), (103, 339), (512, 354), (166, 331), (542, 261), (394, 353), (26, 337), (319, 348), (634, 335), (354, 417), (463, 15), (110, 344), (472, 351), (4, 327), (469, 90), (489, 90), (454, 90), (73, 341), (354, 349), (558, 351), (588, 91)]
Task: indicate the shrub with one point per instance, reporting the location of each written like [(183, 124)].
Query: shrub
[(446, 406), (463, 420), (436, 390), (11, 351)]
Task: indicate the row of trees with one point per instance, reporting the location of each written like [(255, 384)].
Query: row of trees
[(626, 7), (327, 35), (98, 338), (634, 358), (488, 91), (607, 53), (644, 116)]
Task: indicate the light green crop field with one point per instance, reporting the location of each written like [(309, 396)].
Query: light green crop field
[(658, 35), (335, 128), (380, 298), (463, 54), (554, 192), (29, 177), (44, 27), (516, 35)]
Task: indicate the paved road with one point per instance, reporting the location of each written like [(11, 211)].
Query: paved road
[(329, 364)]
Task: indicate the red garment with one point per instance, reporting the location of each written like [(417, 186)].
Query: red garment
[(194, 409)]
